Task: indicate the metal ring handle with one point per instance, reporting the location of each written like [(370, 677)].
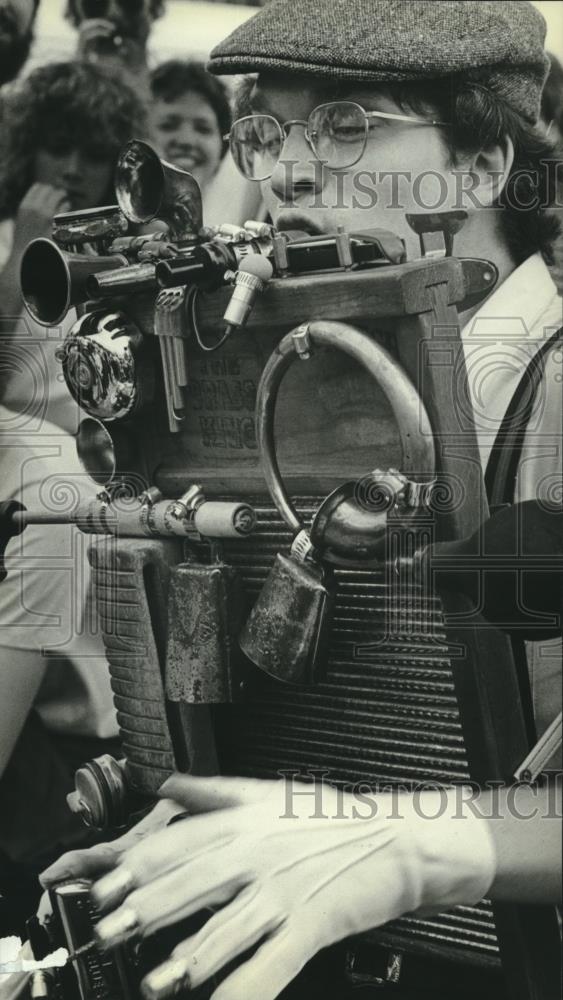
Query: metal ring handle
[(417, 441)]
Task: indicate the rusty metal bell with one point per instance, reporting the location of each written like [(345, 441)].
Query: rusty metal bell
[(286, 632), (203, 661)]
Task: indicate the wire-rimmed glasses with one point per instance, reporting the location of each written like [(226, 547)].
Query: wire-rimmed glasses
[(336, 132)]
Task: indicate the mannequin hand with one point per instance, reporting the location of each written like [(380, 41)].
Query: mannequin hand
[(294, 868), (92, 862)]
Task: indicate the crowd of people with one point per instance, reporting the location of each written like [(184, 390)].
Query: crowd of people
[(63, 126)]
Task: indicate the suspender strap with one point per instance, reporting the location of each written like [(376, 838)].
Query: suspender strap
[(502, 467), (500, 482)]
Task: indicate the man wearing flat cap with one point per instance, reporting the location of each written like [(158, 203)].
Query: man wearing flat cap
[(362, 111)]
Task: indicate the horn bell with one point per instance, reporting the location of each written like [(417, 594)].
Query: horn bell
[(149, 188), (52, 280)]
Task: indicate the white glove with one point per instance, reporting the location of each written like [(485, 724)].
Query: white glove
[(295, 868), (91, 862)]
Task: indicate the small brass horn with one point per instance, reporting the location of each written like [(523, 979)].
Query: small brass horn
[(150, 188)]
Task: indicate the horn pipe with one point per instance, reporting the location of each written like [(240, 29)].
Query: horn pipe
[(52, 280)]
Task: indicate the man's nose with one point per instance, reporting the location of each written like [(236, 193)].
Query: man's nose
[(298, 173)]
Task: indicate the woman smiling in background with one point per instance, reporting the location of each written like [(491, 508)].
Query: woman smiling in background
[(189, 116)]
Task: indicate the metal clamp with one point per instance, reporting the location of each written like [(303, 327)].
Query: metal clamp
[(402, 492), (302, 341)]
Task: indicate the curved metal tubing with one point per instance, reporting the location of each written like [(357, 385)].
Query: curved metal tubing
[(417, 442)]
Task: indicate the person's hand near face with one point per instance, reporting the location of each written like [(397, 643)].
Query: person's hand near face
[(34, 217), (84, 174), (66, 178), (114, 35)]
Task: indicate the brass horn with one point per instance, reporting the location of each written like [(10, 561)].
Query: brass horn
[(149, 188), (53, 280)]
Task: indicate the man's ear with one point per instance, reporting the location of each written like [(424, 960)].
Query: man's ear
[(491, 168)]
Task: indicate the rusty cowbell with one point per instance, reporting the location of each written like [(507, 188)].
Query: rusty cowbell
[(286, 631)]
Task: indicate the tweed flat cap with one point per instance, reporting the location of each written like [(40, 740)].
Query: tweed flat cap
[(499, 43)]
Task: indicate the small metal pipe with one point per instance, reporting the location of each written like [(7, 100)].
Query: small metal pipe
[(128, 280), (180, 361), (138, 518), (25, 517)]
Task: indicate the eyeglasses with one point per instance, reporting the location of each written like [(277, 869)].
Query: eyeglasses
[(337, 133)]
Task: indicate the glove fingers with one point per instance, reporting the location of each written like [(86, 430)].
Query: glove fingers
[(89, 863), (173, 897), (95, 861), (225, 937), (268, 972), (164, 851), (185, 891)]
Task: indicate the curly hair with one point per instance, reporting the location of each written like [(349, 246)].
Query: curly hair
[(67, 103), (481, 119), (176, 77)]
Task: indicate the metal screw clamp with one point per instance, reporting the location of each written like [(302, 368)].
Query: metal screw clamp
[(302, 342), (302, 548)]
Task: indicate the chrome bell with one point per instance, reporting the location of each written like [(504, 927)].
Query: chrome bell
[(106, 365), (353, 521)]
